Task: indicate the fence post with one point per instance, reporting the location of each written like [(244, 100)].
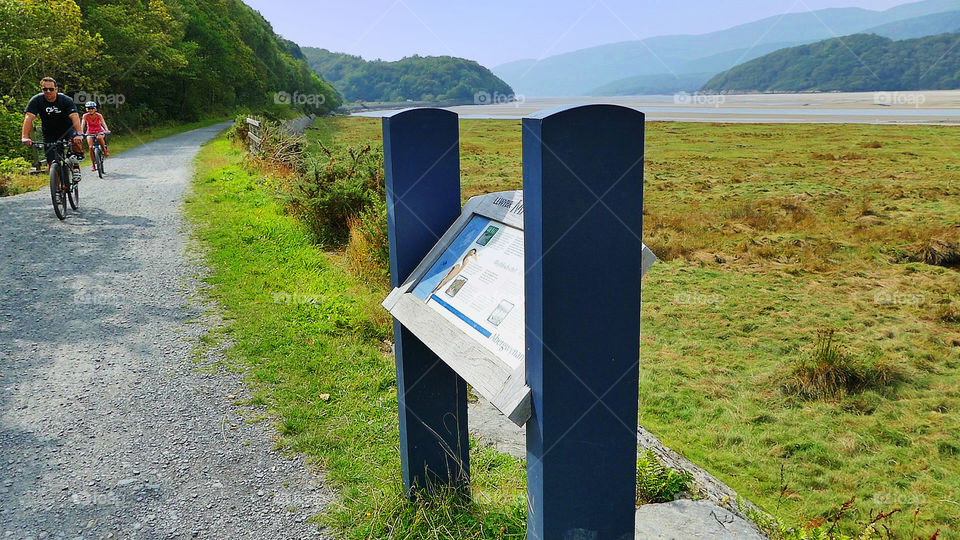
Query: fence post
[(254, 135), (583, 204), (422, 162)]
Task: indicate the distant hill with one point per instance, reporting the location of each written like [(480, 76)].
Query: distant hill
[(928, 25), (688, 77), (584, 71), (858, 63), (416, 78), (653, 84)]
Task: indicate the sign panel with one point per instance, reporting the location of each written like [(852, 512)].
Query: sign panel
[(466, 300), (477, 285)]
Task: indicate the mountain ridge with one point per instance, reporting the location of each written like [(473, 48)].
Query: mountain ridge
[(857, 63), (584, 70)]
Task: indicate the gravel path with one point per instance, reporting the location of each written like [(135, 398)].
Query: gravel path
[(111, 426)]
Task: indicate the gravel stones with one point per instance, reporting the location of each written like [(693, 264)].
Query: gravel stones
[(109, 425)]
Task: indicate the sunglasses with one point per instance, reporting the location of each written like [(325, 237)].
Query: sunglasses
[(46, 89)]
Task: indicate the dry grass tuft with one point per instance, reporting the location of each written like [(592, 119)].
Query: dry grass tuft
[(667, 246), (830, 373), (937, 248), (772, 214), (873, 144), (948, 313), (368, 249)]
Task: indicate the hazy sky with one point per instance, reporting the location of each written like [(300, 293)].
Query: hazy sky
[(496, 31)]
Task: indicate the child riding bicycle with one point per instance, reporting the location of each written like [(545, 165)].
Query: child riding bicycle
[(94, 125)]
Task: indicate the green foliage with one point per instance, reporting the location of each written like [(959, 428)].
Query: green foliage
[(150, 62), (41, 38), (11, 121), (658, 484), (8, 168), (831, 373), (857, 63), (333, 191), (417, 78)]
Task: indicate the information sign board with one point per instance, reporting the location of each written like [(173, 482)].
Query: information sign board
[(465, 300)]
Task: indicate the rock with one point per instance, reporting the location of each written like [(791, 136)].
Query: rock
[(685, 519)]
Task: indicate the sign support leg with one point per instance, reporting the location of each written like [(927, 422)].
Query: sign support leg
[(422, 162), (583, 198)]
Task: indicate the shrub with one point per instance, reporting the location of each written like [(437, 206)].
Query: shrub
[(11, 119), (239, 130), (658, 484), (829, 372), (8, 168), (277, 147), (329, 194)]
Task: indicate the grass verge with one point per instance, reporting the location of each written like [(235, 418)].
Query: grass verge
[(314, 345)]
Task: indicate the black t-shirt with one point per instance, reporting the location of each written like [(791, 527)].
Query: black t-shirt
[(54, 115)]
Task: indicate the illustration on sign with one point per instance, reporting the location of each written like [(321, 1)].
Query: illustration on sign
[(477, 284)]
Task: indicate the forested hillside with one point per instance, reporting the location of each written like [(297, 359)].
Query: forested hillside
[(153, 61), (417, 78), (859, 63)]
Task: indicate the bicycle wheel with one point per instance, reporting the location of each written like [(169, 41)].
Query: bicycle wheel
[(73, 194), (59, 199), (98, 160)]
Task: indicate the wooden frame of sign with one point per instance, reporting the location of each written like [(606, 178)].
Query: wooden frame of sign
[(495, 371)]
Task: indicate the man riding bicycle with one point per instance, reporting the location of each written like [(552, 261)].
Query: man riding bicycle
[(59, 120)]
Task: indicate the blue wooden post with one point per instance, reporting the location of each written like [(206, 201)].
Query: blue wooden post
[(583, 204), (422, 161)]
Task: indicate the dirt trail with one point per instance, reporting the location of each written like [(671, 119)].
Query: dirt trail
[(109, 427)]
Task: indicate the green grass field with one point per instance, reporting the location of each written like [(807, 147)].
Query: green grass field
[(769, 234)]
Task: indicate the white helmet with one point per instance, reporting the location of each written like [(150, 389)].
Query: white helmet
[(91, 104)]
